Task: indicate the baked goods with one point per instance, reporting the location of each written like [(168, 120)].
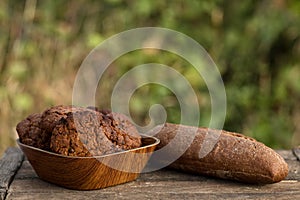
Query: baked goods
[(30, 132), (234, 156), (78, 131), (94, 133)]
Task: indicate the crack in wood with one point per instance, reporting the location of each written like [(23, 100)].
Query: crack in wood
[(9, 165), (296, 152), (2, 194), (162, 184)]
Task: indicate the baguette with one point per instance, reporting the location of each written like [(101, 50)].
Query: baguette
[(233, 156)]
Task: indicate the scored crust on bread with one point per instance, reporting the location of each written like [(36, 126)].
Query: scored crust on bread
[(234, 156)]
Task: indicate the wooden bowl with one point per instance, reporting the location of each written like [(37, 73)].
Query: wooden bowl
[(88, 173)]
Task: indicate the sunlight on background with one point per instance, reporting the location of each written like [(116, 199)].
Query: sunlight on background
[(255, 45)]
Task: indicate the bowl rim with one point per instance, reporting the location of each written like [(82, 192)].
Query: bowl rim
[(155, 143)]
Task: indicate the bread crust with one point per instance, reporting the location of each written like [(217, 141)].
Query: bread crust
[(234, 156), (93, 132)]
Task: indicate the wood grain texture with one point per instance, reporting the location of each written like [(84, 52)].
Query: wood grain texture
[(162, 184), (287, 154), (163, 189), (87, 173), (210, 186), (2, 194), (296, 152), (9, 164)]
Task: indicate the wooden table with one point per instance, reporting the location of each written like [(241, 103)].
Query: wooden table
[(19, 181)]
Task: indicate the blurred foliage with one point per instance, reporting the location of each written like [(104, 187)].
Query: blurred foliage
[(255, 44)]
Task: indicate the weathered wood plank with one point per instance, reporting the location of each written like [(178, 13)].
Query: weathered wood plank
[(2, 194), (160, 189), (162, 184), (147, 195), (287, 154), (9, 164), (296, 152), (26, 171), (294, 170)]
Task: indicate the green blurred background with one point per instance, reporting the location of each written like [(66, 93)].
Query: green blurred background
[(255, 44)]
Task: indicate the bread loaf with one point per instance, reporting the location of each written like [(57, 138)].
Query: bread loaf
[(233, 156), (95, 132)]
